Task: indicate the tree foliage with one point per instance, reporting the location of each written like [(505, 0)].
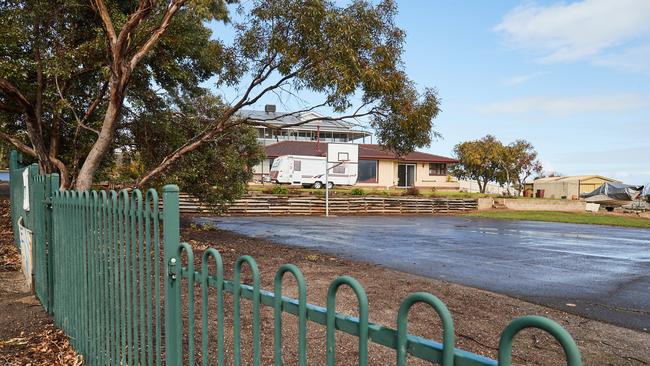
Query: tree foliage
[(217, 172), (80, 80), (518, 163), (488, 160)]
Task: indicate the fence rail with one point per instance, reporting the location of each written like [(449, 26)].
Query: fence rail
[(266, 205), (118, 272)]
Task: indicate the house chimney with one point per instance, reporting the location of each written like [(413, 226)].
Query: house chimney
[(269, 108)]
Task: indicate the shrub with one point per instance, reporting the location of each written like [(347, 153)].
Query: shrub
[(357, 192), (412, 191), (280, 190)]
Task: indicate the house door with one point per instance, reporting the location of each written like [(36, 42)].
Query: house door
[(405, 175)]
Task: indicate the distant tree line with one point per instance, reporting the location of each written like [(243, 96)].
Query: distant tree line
[(489, 160)]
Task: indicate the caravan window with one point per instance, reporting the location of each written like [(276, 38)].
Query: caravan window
[(296, 165), (339, 169)]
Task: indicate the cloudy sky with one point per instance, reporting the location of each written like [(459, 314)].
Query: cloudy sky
[(572, 77)]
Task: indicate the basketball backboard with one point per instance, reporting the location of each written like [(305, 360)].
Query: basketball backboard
[(342, 153)]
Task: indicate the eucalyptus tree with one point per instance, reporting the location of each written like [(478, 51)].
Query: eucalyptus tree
[(79, 80), (479, 160), (519, 162)]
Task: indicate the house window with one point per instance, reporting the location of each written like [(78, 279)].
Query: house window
[(297, 165), (339, 169), (437, 169), (367, 171)]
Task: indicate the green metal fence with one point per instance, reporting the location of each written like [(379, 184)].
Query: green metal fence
[(36, 219), (122, 286), (16, 169)]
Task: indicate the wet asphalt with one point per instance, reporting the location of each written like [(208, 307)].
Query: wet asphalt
[(599, 272)]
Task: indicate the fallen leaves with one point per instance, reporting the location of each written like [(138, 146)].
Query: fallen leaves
[(47, 346)]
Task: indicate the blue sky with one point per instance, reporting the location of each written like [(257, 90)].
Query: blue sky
[(548, 72), (573, 78)]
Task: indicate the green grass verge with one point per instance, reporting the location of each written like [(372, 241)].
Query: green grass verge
[(570, 217), (369, 191)]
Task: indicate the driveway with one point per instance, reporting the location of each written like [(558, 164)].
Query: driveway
[(600, 272)]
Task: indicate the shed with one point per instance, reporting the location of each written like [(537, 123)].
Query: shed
[(570, 187)]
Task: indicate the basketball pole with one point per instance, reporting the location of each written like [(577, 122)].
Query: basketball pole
[(342, 157), (327, 186)]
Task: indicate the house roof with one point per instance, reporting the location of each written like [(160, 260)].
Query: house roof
[(282, 119), (366, 152), (573, 178)]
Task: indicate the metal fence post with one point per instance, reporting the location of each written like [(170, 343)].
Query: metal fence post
[(14, 185), (171, 237), (29, 215), (51, 187)]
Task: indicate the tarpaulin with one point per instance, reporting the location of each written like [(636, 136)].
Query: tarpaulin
[(615, 191)]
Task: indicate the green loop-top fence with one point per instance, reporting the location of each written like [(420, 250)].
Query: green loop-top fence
[(110, 268)]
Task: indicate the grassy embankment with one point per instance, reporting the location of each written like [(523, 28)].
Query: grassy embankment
[(569, 217), (358, 191)]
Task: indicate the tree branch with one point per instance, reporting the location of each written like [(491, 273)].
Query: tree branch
[(17, 144), (174, 6), (106, 19), (34, 129), (272, 87), (10, 108), (143, 9), (93, 105), (14, 94)]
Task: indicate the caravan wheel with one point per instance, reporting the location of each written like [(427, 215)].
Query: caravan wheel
[(330, 185), (318, 185)]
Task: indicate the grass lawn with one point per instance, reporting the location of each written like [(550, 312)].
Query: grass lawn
[(570, 217)]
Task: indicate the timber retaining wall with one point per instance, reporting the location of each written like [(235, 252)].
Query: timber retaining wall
[(270, 205)]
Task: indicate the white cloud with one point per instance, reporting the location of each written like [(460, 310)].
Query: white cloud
[(564, 106), (633, 59), (564, 32), (520, 79)]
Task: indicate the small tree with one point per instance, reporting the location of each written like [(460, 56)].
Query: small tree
[(517, 162), (478, 160)]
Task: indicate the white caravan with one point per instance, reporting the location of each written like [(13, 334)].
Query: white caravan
[(309, 171)]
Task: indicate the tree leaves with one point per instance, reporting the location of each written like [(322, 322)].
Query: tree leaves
[(348, 54), (487, 159)]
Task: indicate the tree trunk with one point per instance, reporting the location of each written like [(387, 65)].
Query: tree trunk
[(481, 186), (104, 140)]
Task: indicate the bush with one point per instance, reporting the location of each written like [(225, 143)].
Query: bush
[(357, 192), (412, 191), (280, 191)]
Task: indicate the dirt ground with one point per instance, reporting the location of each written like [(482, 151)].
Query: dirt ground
[(479, 315)]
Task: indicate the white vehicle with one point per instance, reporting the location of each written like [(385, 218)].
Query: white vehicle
[(309, 171)]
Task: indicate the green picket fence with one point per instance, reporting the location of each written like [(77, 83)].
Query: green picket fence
[(115, 269)]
